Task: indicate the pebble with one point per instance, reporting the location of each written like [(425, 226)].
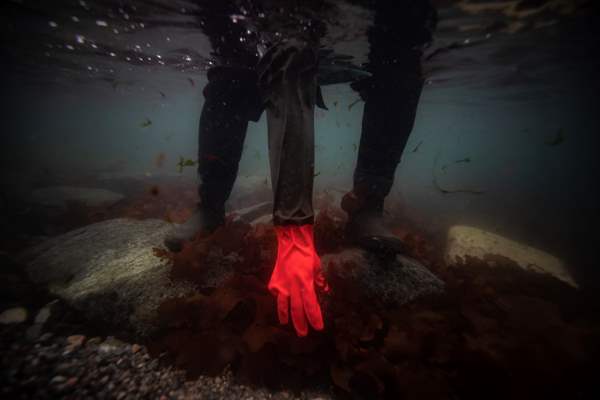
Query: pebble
[(58, 379), (44, 338), (14, 315), (97, 370), (95, 341), (72, 381), (75, 341), (42, 316)]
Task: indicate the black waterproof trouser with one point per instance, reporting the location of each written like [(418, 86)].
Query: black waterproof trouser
[(231, 101), (391, 98), (285, 84), (397, 37)]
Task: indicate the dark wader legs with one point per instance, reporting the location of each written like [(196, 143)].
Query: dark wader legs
[(391, 100), (392, 93), (288, 79), (231, 100)]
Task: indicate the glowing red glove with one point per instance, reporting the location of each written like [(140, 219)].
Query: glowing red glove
[(297, 270)]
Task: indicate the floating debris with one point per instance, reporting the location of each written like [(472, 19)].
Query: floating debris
[(146, 123), (191, 81), (160, 160), (449, 191), (464, 160), (317, 174), (154, 190), (556, 140), (162, 94), (417, 147), (185, 163)]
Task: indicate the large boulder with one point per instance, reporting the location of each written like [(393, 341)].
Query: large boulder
[(61, 196), (467, 241), (394, 280), (109, 271)]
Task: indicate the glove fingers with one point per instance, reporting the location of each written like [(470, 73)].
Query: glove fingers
[(313, 311), (298, 317), (282, 308)]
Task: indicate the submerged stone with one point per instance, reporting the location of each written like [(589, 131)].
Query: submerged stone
[(109, 271), (395, 280), (469, 241), (14, 315), (61, 196)]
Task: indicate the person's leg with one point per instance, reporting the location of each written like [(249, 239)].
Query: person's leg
[(391, 98), (288, 79), (231, 100), (389, 114)]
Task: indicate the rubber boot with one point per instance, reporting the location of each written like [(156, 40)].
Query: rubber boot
[(366, 226)]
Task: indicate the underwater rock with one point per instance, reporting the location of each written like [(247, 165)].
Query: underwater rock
[(466, 241), (109, 271), (60, 196), (393, 280), (46, 312), (14, 315)]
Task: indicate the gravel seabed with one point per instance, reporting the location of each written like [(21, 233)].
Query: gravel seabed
[(79, 367)]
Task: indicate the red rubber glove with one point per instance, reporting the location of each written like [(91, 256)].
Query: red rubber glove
[(297, 270)]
